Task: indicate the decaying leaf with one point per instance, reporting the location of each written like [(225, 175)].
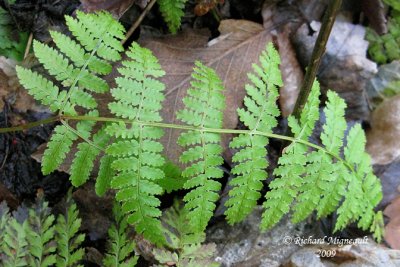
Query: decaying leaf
[(115, 7), (231, 55), (292, 73), (11, 90), (383, 139), (392, 229)]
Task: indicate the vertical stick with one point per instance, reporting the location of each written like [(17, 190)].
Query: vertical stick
[(319, 50)]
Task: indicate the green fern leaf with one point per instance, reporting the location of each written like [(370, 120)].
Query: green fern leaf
[(40, 234), (15, 246), (186, 246), (104, 175), (9, 47), (40, 88), (82, 164), (59, 145), (261, 116), (75, 63), (172, 12), (69, 252), (120, 247), (292, 164), (4, 221), (364, 189), (137, 152), (204, 104), (321, 172)]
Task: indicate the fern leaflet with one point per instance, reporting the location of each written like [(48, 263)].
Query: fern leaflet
[(75, 62), (69, 252), (40, 235), (261, 116), (172, 11), (186, 246), (137, 151), (120, 247), (204, 104)]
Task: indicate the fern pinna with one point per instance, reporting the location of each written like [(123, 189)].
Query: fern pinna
[(137, 152), (335, 175)]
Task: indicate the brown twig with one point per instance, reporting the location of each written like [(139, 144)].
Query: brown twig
[(28, 45), (138, 21), (319, 50)]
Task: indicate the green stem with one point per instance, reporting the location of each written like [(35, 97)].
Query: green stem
[(175, 126)]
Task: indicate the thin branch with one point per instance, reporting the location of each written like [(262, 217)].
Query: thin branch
[(319, 50), (29, 125), (138, 21), (28, 45)]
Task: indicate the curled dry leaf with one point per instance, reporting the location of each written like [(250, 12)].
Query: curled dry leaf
[(392, 229), (231, 55), (383, 139)]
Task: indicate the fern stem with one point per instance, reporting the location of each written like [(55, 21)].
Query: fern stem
[(169, 126)]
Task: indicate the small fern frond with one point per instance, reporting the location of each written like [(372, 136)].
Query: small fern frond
[(204, 106), (260, 115), (137, 151), (68, 240), (186, 247), (40, 235), (4, 218), (172, 12), (292, 164), (120, 247), (15, 246)]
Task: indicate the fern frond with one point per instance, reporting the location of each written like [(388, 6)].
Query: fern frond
[(137, 151), (292, 164), (15, 246), (172, 12), (260, 115), (120, 248), (186, 246), (40, 235), (68, 241), (204, 106), (4, 220)]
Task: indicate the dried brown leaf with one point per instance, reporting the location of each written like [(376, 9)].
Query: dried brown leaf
[(231, 55), (392, 229), (292, 73), (115, 7), (383, 139)]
